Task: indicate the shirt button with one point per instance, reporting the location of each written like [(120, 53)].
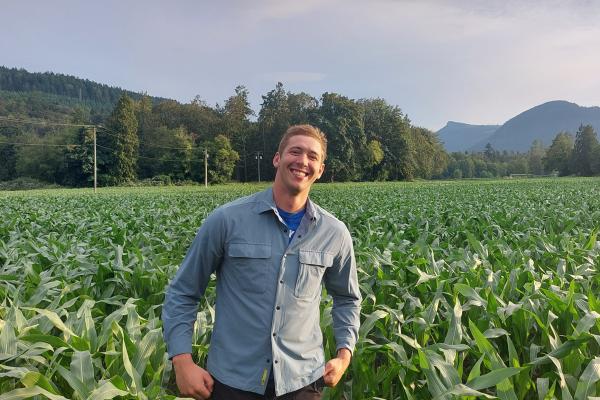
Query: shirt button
[(285, 230), (268, 361), (278, 308), (281, 281), (276, 361), (274, 334)]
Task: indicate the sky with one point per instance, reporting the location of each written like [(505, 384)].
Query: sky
[(472, 61)]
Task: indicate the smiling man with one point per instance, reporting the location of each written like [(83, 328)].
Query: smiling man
[(271, 252)]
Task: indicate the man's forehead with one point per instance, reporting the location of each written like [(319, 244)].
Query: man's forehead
[(306, 143)]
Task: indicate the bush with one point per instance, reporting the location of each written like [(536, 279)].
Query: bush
[(25, 183)]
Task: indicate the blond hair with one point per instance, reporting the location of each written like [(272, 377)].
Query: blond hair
[(306, 130)]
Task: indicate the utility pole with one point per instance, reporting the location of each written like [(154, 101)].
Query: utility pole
[(258, 157), (95, 166), (205, 167)]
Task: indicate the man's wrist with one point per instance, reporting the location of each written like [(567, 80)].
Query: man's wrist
[(344, 354), (180, 359)]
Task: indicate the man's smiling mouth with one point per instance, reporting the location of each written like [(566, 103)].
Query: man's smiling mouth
[(299, 173)]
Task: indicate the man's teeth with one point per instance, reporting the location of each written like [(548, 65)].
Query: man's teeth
[(299, 173)]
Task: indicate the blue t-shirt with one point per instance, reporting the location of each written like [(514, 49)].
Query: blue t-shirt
[(292, 220)]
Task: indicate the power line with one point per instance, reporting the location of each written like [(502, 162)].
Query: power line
[(42, 144), (105, 129), (150, 158), (115, 134), (80, 145), (34, 122)]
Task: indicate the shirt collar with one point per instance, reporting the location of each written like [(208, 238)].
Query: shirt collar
[(265, 203)]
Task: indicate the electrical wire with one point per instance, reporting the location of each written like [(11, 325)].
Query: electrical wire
[(108, 131), (151, 158), (34, 122), (115, 134), (41, 144)]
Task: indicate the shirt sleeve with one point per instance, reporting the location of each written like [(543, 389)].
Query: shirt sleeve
[(187, 287), (341, 282)]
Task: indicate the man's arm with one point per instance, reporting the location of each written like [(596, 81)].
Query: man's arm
[(181, 305), (341, 281)]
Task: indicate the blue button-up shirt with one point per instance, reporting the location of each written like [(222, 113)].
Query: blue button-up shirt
[(268, 294)]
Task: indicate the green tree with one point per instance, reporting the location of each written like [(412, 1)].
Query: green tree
[(166, 152), (221, 159), (45, 163), (121, 143), (386, 124), (583, 150), (596, 161), (374, 155), (80, 159), (430, 157), (489, 153), (535, 157), (8, 153), (559, 154), (302, 107), (342, 121), (273, 120), (237, 125), (518, 165)]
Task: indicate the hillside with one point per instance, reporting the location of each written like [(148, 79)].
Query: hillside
[(457, 136), (542, 122), (21, 91)]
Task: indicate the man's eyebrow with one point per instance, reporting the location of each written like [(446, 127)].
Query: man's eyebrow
[(309, 151)]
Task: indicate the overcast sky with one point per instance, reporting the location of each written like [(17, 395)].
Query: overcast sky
[(479, 62)]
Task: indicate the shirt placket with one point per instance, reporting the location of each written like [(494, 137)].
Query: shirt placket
[(304, 227), (276, 324)]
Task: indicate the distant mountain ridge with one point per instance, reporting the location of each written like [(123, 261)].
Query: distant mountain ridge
[(542, 122), (458, 136)]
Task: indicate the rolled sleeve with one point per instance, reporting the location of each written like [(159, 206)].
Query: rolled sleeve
[(341, 282), (187, 287)]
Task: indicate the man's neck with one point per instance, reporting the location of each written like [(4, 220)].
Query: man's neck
[(288, 202)]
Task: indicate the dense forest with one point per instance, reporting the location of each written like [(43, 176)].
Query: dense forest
[(147, 139)]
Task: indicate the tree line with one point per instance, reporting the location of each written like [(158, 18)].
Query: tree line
[(166, 141), (142, 139), (567, 155)]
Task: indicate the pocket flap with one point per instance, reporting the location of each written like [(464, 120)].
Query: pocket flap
[(249, 250), (313, 257)]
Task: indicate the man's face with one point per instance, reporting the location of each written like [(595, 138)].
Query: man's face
[(299, 164)]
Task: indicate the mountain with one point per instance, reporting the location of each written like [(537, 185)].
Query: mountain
[(457, 136), (542, 122), (48, 88)]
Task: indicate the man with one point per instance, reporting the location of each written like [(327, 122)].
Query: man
[(270, 251)]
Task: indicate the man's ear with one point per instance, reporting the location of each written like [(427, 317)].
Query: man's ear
[(276, 159), (321, 170)]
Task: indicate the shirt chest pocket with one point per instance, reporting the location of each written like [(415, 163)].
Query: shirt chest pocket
[(312, 267), (250, 264)]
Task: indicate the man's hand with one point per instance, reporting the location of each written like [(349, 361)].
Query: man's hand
[(335, 368), (192, 380)]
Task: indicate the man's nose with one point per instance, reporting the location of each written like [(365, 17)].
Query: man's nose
[(304, 159)]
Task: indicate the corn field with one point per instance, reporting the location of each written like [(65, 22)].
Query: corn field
[(470, 289)]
